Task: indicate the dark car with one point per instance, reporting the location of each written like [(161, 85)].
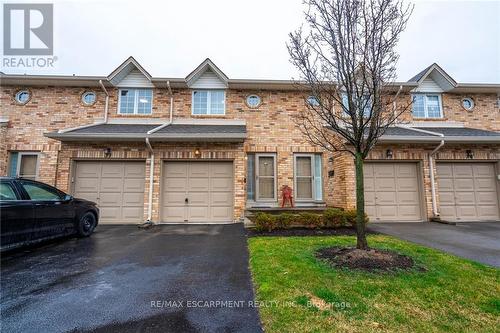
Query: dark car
[(32, 212)]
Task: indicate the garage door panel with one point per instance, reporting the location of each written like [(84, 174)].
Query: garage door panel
[(392, 192), (175, 184), (484, 170), (174, 198), (221, 170), (198, 213), (465, 198), (474, 195), (131, 199), (406, 170), (111, 185), (385, 184), (198, 170), (444, 170), (446, 198), (198, 184), (110, 199), (176, 170), (134, 185), (406, 184), (198, 199), (445, 184), (112, 170), (386, 198), (384, 170), (221, 184), (221, 213), (464, 184), (220, 198), (485, 184), (116, 186), (175, 213)]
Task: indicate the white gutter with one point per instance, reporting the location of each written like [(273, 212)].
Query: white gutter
[(106, 103), (171, 112), (151, 175), (431, 172)]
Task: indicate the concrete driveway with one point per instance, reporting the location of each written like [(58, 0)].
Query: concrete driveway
[(478, 241), (125, 279)]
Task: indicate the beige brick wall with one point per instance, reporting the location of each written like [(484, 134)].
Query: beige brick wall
[(270, 129)]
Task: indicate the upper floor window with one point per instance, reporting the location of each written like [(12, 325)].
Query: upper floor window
[(427, 106), (209, 102), (365, 103), (135, 101), (312, 101), (89, 98)]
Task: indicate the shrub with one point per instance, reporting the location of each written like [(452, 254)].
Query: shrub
[(350, 216), (264, 221), (334, 218), (311, 220), (285, 220)]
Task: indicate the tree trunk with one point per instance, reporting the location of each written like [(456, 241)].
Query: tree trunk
[(360, 204)]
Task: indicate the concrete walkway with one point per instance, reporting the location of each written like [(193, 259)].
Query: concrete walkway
[(124, 279), (478, 241)]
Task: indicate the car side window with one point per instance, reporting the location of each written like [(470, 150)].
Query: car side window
[(41, 192), (7, 192)]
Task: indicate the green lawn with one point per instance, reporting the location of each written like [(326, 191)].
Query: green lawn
[(453, 295)]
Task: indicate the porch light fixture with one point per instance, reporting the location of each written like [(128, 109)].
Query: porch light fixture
[(197, 152), (389, 153), (469, 154), (107, 152)]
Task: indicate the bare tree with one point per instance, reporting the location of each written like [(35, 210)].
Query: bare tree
[(346, 57)]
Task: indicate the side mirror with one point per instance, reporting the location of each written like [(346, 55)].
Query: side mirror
[(67, 197)]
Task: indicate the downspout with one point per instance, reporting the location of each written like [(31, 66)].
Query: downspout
[(152, 156), (151, 175), (106, 102), (435, 212), (394, 102)]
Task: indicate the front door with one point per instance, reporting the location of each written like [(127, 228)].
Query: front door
[(265, 176)]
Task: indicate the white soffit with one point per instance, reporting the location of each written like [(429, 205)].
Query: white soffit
[(435, 80), (132, 73)]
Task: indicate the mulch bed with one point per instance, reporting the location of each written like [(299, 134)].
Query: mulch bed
[(373, 260), (344, 231)]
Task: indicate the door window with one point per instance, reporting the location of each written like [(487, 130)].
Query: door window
[(7, 192), (266, 180), (41, 192)]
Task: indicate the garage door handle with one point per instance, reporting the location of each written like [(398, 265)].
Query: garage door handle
[(186, 200)]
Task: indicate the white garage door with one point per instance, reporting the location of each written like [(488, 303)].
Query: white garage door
[(467, 191), (117, 187), (392, 192), (197, 192)]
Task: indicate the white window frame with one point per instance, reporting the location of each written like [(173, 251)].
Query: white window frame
[(209, 106), (136, 102), (312, 158), (426, 113), (345, 107), (19, 159), (257, 172)]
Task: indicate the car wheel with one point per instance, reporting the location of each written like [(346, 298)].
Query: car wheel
[(86, 225)]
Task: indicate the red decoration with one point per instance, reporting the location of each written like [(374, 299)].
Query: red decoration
[(286, 194)]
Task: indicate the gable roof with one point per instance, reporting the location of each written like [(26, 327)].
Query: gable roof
[(435, 73), (207, 64), (125, 68)]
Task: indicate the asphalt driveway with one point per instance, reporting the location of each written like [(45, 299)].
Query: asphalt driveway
[(478, 241), (124, 279)]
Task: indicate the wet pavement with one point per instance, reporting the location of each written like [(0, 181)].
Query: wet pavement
[(124, 279), (478, 241)]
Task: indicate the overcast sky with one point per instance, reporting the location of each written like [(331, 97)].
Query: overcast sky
[(246, 39)]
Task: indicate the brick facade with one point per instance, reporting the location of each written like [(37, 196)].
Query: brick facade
[(270, 128)]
